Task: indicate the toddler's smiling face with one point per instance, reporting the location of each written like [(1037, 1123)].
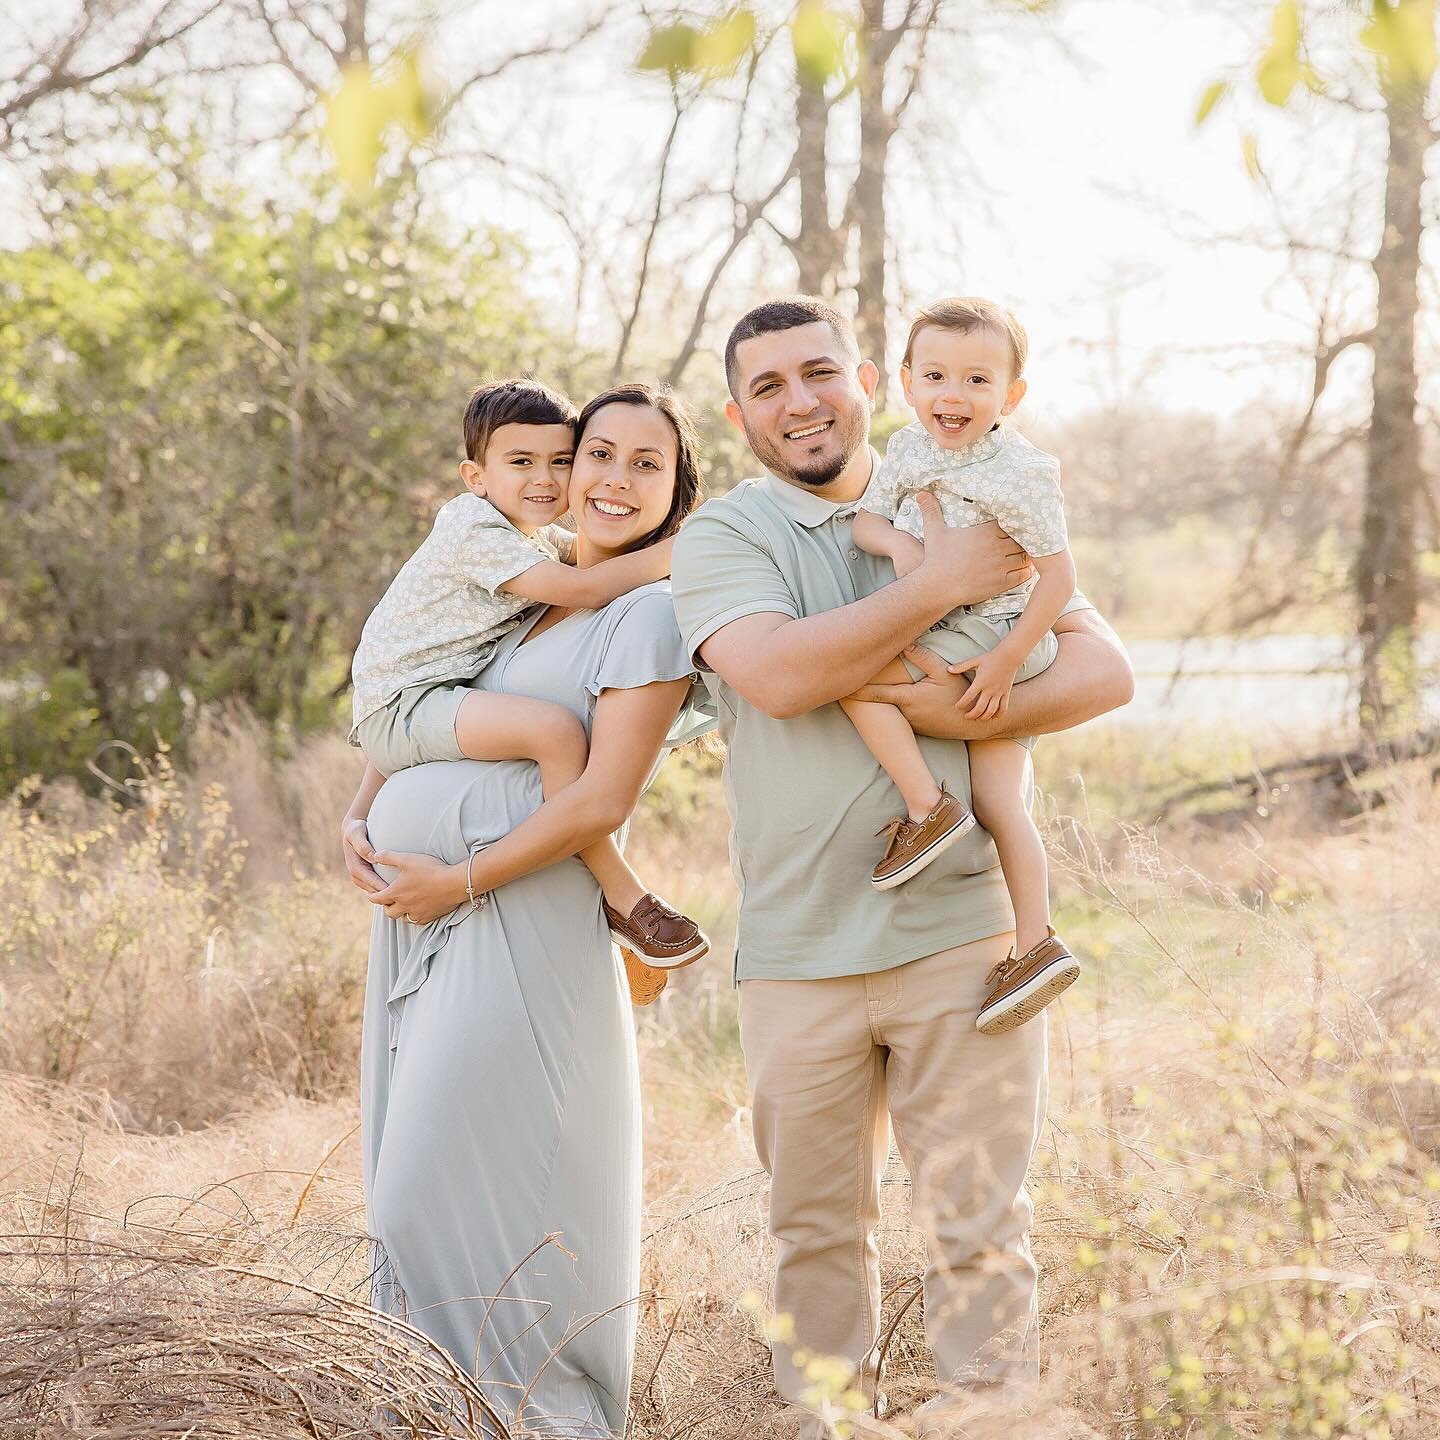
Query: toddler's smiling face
[(959, 383)]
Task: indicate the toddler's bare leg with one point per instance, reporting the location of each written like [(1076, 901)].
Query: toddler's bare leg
[(997, 779), (889, 738), (515, 727)]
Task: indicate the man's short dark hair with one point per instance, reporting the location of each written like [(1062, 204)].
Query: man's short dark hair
[(511, 402), (786, 314)]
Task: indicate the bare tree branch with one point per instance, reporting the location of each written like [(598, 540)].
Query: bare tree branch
[(43, 77), (746, 217), (628, 328)]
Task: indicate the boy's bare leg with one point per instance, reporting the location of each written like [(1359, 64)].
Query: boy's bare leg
[(618, 882), (515, 727), (889, 738), (997, 781)]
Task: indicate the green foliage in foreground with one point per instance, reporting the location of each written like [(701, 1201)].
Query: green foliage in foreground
[(222, 429)]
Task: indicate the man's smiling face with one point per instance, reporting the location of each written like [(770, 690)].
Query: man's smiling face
[(802, 397)]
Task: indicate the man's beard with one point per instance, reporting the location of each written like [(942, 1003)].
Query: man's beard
[(853, 430)]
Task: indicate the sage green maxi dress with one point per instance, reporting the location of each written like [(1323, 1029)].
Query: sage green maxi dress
[(499, 1088)]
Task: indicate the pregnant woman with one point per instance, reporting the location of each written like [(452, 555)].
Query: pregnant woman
[(499, 1088)]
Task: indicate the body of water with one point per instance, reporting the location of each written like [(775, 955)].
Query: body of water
[(1262, 684)]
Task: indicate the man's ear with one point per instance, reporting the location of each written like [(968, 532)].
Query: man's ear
[(473, 477), (733, 415), (1014, 395), (869, 377)]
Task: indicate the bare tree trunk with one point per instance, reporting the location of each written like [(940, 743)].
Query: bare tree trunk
[(356, 42), (1386, 578), (865, 210), (816, 248), (876, 130)]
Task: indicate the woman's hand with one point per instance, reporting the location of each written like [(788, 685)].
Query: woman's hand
[(424, 889), (357, 852)]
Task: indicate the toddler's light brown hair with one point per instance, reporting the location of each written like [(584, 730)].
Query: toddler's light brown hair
[(969, 312)]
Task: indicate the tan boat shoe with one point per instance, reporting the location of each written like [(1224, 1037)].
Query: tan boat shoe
[(645, 981), (658, 935), (915, 843), (1021, 988)]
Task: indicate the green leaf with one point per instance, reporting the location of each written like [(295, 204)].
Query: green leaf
[(1213, 95), (1401, 34), (818, 36), (355, 117), (1285, 27), (365, 105), (670, 48), (1278, 72), (720, 47), (1250, 148), (1277, 77)]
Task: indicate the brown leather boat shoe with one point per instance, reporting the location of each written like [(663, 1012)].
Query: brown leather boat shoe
[(658, 935), (915, 843), (1021, 988)]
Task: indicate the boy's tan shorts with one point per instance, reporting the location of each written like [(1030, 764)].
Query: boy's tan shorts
[(417, 726), (962, 636)]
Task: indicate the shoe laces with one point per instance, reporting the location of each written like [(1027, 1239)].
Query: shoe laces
[(901, 825), (1002, 970), (651, 912)]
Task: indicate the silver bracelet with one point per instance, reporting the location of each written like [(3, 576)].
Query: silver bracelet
[(476, 901)]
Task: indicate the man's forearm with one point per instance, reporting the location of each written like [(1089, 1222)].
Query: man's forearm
[(821, 658)]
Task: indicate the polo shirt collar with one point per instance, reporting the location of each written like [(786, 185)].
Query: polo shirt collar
[(806, 508)]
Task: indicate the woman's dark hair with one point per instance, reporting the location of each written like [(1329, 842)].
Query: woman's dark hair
[(687, 447)]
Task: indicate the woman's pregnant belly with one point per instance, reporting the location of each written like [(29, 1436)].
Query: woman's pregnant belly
[(444, 808)]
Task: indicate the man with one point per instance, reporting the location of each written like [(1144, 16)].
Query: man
[(854, 1000)]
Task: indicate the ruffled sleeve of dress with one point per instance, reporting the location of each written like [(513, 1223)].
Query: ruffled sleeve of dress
[(640, 645)]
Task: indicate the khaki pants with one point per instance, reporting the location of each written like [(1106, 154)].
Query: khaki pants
[(825, 1059)]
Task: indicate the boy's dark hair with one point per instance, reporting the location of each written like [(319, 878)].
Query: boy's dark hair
[(687, 447), (511, 402), (788, 314)]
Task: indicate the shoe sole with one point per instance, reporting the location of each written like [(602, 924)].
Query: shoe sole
[(634, 964), (916, 864), (697, 951), (1029, 1000)]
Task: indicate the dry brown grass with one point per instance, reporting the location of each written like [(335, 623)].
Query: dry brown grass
[(1237, 1200)]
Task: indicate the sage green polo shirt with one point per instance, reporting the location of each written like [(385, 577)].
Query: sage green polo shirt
[(805, 795)]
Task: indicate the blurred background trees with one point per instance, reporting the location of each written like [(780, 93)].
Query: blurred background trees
[(1371, 65), (257, 252)]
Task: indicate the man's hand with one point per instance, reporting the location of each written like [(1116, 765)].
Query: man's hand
[(972, 562), (931, 701), (357, 851)]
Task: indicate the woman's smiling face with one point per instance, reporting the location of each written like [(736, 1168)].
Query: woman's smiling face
[(623, 477)]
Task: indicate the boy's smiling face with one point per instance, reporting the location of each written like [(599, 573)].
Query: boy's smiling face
[(959, 383), (524, 473)]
